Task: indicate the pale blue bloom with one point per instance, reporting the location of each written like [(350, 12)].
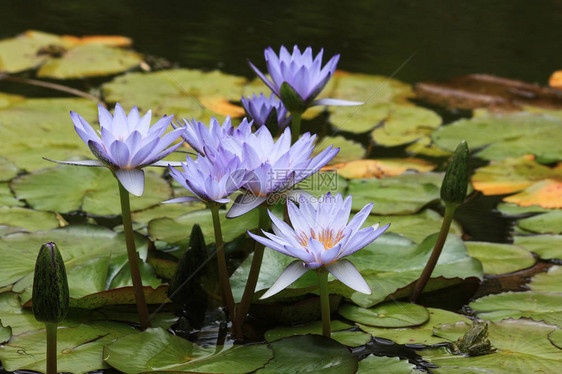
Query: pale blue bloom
[(126, 143), (268, 112), (321, 236)]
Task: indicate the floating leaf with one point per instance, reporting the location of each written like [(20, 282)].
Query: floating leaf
[(166, 210), (547, 193), (405, 124), (7, 170), (522, 347), (419, 334), (5, 334), (505, 136), (7, 198), (89, 60), (499, 258), (381, 168), (392, 314), (323, 356), (157, 350), (387, 365), (538, 306), (27, 219), (349, 150), (546, 246), (555, 338), (547, 282), (511, 209), (348, 338), (404, 194), (48, 131), (547, 223), (25, 51), (91, 189)]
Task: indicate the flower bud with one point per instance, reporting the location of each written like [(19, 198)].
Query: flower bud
[(455, 183), (291, 99), (50, 286)]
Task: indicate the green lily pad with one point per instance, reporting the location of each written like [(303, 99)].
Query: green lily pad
[(499, 258), (504, 136), (349, 150), (387, 365), (91, 189), (425, 146), (182, 92), (166, 210), (415, 227), (89, 60), (42, 127), (5, 334), (24, 51), (547, 223), (323, 356), (555, 338), (546, 246), (173, 231), (406, 124), (27, 219), (403, 194), (547, 282), (7, 198), (392, 314), (512, 209), (522, 347), (422, 334), (538, 306), (348, 338), (157, 350), (7, 170)]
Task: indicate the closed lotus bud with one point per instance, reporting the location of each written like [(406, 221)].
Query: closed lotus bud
[(455, 183), (291, 99), (50, 286)]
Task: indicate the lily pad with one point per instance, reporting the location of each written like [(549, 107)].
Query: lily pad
[(166, 210), (403, 194), (547, 193), (415, 227), (392, 314), (505, 136), (422, 334), (323, 356), (24, 51), (522, 347), (348, 338), (157, 350), (546, 246), (91, 189), (173, 231), (547, 282), (7, 198), (7, 170), (27, 219), (349, 150), (499, 258), (89, 60), (42, 127), (381, 168), (512, 209), (555, 338), (547, 223), (538, 306), (387, 365), (182, 92)]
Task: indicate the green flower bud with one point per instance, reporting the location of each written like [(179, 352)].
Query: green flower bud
[(291, 99), (50, 286), (455, 183)]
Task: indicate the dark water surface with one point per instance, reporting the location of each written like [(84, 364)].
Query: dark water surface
[(511, 38)]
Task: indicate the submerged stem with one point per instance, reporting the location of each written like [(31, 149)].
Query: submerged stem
[(424, 277), (133, 258), (324, 301), (244, 305), (295, 127), (226, 290), (51, 328)]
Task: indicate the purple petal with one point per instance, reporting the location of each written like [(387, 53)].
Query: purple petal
[(272, 244), (166, 163), (182, 199), (244, 203), (131, 179), (294, 271), (105, 118), (120, 153), (100, 153), (336, 102), (264, 79), (79, 163), (348, 274)]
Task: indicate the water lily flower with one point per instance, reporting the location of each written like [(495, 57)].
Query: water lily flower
[(320, 237), (126, 143), (298, 78), (268, 112), (210, 177)]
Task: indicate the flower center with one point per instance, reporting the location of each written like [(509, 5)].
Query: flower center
[(326, 236)]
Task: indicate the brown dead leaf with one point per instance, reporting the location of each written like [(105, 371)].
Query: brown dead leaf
[(555, 80), (108, 40), (547, 194), (380, 168), (222, 106)]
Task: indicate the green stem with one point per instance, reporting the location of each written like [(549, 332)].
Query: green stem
[(133, 258), (324, 301), (226, 290), (424, 277), (51, 328), (295, 127), (247, 297)]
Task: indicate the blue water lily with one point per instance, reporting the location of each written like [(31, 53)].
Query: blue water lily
[(266, 111)]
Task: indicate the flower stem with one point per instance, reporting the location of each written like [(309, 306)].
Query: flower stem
[(244, 305), (51, 328), (424, 277), (324, 301), (295, 127), (226, 290), (133, 258)]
